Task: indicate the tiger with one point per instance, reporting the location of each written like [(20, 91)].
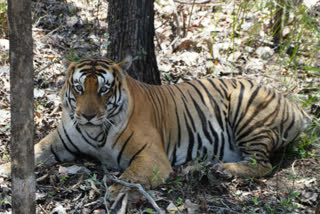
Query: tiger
[(136, 127)]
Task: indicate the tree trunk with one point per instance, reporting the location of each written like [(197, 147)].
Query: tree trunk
[(131, 32), (277, 22), (21, 90)]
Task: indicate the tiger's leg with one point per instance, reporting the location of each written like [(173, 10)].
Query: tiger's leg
[(150, 168), (256, 161), (248, 169)]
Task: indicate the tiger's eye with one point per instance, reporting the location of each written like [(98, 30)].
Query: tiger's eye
[(79, 88), (103, 89)]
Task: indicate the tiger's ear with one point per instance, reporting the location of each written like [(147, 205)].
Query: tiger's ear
[(66, 62), (125, 63)]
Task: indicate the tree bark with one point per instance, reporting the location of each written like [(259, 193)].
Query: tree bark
[(277, 22), (21, 87), (131, 32)]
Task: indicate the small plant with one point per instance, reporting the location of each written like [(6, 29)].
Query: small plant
[(179, 200), (64, 177), (255, 201), (3, 201), (177, 181), (93, 179), (72, 56), (149, 210), (156, 172), (288, 203), (254, 162)]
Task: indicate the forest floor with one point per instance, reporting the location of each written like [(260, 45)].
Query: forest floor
[(214, 39)]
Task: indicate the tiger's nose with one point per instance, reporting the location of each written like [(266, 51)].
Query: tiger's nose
[(89, 116)]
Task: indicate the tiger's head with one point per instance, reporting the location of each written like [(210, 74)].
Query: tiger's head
[(93, 92)]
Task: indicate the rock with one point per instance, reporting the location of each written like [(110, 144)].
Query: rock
[(38, 93), (234, 56), (4, 44), (254, 65), (265, 52), (59, 209)]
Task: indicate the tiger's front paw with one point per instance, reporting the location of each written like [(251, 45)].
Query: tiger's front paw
[(115, 190), (5, 170), (221, 171)]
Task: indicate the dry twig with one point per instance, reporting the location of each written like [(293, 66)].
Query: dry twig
[(141, 190)]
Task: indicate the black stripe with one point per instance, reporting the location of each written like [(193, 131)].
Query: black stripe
[(202, 119), (101, 71), (163, 98), (218, 114), (258, 144), (286, 133), (105, 61), (84, 63), (159, 102), (243, 113), (256, 153), (199, 144), (205, 89), (69, 139), (240, 97), (234, 83), (171, 92), (222, 147), (137, 153), (169, 144), (86, 71), (230, 137), (103, 65), (251, 84), (255, 138), (285, 116), (204, 154), (191, 141), (258, 109), (186, 107), (217, 89), (56, 157), (120, 92), (223, 83), (152, 99), (174, 158), (178, 88), (260, 123), (122, 149), (83, 137), (130, 117), (197, 90), (216, 108), (64, 143), (216, 139)]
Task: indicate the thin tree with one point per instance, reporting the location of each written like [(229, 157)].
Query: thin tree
[(277, 22), (131, 32), (21, 91)]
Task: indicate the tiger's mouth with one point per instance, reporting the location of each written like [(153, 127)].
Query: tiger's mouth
[(89, 122)]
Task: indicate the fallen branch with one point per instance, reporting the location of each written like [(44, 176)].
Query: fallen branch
[(141, 190), (105, 194)]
